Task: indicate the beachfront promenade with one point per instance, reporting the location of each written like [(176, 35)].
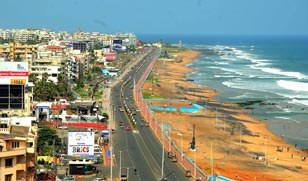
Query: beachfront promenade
[(185, 162)]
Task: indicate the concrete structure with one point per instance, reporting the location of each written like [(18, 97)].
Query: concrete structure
[(15, 51), (15, 99), (18, 142), (51, 71)]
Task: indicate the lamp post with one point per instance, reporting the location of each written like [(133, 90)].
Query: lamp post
[(110, 133), (163, 150), (212, 162), (120, 165), (181, 135), (265, 151)]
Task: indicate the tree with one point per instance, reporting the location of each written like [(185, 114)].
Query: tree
[(32, 78), (105, 115), (48, 140)]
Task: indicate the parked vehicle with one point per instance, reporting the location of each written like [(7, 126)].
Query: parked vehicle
[(61, 126), (69, 178), (188, 173)]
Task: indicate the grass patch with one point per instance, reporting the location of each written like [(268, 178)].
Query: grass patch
[(148, 95), (175, 49)]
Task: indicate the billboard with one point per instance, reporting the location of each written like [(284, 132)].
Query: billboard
[(81, 144), (14, 73), (109, 56), (117, 45)]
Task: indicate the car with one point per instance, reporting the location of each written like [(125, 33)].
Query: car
[(69, 178), (99, 179), (137, 109), (61, 126), (188, 173), (121, 124), (127, 128), (60, 177)]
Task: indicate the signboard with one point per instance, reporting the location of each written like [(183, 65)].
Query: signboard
[(18, 81), (117, 44), (105, 133), (81, 144), (15, 73), (109, 56)]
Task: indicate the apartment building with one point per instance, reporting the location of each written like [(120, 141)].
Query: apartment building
[(52, 71), (15, 99), (18, 51), (17, 149)]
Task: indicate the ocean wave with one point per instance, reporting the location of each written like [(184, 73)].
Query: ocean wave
[(281, 117), (292, 85), (263, 65), (221, 63), (243, 96), (225, 76), (302, 102)]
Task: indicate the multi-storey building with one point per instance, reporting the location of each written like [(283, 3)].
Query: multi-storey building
[(51, 71), (18, 140), (18, 51)]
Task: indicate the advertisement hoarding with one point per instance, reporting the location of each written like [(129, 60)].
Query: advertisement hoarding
[(117, 44), (81, 144), (14, 73), (109, 56)]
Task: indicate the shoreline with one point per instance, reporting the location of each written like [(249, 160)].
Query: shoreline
[(246, 137)]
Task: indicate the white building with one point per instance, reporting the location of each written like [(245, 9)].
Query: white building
[(52, 72)]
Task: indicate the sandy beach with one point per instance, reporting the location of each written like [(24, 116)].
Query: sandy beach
[(242, 148)]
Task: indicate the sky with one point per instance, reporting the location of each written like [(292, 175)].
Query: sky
[(206, 17)]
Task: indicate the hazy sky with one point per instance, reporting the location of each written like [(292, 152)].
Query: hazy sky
[(160, 16)]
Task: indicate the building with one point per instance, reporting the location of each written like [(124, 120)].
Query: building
[(18, 140), (15, 99), (18, 51), (81, 46), (52, 72)]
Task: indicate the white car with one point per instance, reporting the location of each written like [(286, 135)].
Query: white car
[(62, 127), (69, 178)]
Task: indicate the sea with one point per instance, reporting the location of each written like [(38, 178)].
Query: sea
[(271, 70)]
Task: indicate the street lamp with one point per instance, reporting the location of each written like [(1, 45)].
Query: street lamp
[(163, 150), (212, 164), (181, 135), (110, 133)]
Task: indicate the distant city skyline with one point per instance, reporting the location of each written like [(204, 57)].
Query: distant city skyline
[(207, 17)]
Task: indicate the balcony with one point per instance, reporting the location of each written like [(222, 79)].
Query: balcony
[(31, 150), (5, 130), (21, 166), (11, 153)]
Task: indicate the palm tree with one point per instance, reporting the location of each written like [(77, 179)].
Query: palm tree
[(32, 78)]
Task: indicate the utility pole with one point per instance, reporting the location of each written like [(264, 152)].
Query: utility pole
[(265, 151), (170, 124), (120, 166), (163, 154), (212, 164), (111, 153), (240, 135), (195, 170)]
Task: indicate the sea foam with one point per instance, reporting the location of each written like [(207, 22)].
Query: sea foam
[(292, 85)]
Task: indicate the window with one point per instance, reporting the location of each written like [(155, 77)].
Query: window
[(3, 125), (8, 177), (29, 144), (15, 144), (9, 162)]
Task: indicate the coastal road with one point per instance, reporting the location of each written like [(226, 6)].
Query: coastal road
[(138, 149)]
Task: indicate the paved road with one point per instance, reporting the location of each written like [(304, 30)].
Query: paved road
[(139, 149)]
